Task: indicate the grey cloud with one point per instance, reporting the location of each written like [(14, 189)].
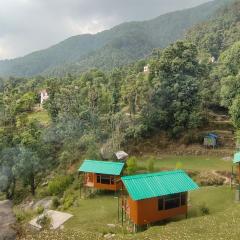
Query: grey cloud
[(29, 25)]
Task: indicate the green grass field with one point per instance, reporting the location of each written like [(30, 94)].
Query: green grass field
[(198, 163), (91, 217)]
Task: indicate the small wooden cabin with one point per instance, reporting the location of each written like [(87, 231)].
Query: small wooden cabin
[(157, 196), (210, 140), (236, 161), (102, 175)]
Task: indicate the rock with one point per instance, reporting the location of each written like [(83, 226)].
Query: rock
[(44, 184), (46, 203), (57, 219), (111, 225), (227, 158), (108, 236)]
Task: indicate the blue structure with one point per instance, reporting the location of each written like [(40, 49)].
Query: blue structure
[(210, 140)]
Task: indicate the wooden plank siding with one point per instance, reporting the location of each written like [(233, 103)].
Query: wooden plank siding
[(146, 211), (91, 180)]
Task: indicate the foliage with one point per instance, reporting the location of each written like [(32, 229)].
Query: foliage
[(55, 202), (151, 165), (235, 112), (40, 209), (44, 221), (131, 165), (58, 185), (204, 209), (68, 199), (179, 165)]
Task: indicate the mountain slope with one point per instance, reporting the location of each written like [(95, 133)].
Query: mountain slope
[(120, 45)]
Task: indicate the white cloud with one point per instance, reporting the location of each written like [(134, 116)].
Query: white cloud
[(29, 25)]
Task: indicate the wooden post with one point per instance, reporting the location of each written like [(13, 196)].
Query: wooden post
[(118, 207), (122, 201), (238, 173)]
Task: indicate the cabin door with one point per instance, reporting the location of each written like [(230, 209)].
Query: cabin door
[(89, 180)]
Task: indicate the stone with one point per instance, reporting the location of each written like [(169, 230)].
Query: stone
[(111, 225), (57, 219)]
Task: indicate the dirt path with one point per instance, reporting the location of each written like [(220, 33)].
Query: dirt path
[(7, 219)]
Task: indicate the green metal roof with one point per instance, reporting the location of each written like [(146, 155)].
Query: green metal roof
[(158, 184), (236, 158), (103, 167)]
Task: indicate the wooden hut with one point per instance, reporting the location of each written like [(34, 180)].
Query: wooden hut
[(210, 140), (156, 196), (236, 161), (102, 174)]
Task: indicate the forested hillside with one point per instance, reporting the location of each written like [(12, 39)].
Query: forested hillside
[(105, 110), (118, 46)]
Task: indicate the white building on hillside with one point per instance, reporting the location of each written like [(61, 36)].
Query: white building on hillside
[(44, 96), (146, 69)]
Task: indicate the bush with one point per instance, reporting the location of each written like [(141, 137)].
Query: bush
[(58, 185), (204, 209), (68, 199), (40, 209), (191, 138), (43, 192), (179, 165), (44, 221), (131, 165), (55, 202), (22, 215), (151, 166)]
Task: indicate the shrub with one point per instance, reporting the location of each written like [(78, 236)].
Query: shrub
[(58, 185), (22, 215), (151, 166), (192, 137), (43, 192), (204, 209), (44, 221), (55, 202), (131, 165), (68, 199), (40, 209), (179, 165)]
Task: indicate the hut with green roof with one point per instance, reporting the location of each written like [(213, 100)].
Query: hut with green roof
[(156, 196), (236, 160), (103, 175)]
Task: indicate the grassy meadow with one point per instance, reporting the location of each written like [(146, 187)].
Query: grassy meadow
[(92, 216)]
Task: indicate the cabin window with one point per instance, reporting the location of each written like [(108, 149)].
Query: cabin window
[(98, 179), (172, 201), (183, 199), (160, 204), (105, 179)]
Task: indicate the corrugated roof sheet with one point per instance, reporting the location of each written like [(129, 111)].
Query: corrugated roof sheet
[(236, 158), (103, 167), (158, 184)]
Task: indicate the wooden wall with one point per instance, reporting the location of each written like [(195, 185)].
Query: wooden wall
[(113, 187), (146, 211)]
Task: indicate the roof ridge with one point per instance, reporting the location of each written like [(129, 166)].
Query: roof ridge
[(147, 175), (107, 162)]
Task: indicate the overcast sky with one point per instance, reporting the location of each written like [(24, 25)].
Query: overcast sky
[(29, 25)]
